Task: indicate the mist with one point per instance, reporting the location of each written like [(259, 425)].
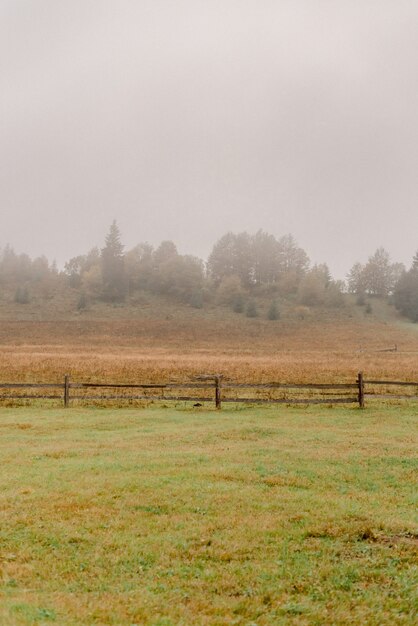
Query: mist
[(183, 120)]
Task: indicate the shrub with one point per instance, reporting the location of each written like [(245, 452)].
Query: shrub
[(82, 302), (196, 299), (229, 289), (238, 304), (361, 299), (251, 309), (22, 295), (273, 312), (302, 312)]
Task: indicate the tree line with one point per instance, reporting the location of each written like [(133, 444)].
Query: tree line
[(240, 268)]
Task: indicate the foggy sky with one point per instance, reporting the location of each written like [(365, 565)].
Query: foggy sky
[(184, 119)]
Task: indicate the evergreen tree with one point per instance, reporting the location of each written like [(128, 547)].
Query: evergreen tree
[(251, 309), (273, 312), (238, 303), (113, 268), (82, 302), (22, 295), (196, 299)]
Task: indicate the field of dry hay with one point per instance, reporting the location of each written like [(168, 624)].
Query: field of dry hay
[(157, 350)]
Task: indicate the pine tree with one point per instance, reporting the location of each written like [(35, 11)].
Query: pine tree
[(273, 312), (113, 268), (22, 295), (238, 303), (251, 309), (82, 302), (196, 299)]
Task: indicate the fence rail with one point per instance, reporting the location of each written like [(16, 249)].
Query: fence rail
[(391, 383), (316, 393)]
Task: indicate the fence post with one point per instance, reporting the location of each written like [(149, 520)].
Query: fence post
[(218, 400), (66, 391), (360, 382)]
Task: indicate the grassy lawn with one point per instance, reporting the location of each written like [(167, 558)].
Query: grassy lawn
[(253, 516)]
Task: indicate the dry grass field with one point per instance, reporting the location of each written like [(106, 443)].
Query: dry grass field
[(186, 342)]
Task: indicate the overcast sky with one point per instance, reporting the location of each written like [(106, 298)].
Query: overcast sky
[(184, 119)]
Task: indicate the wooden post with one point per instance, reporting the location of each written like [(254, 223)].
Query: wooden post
[(66, 391), (218, 400), (360, 382)]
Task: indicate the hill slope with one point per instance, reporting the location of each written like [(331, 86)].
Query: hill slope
[(154, 339)]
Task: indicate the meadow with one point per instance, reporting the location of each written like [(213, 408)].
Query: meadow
[(165, 343), (169, 517), (174, 515)]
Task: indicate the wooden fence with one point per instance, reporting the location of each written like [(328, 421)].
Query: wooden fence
[(210, 388)]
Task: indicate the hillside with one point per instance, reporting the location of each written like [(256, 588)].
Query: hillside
[(152, 339)]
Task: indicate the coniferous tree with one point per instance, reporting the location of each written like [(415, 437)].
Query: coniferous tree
[(238, 303), (113, 268), (251, 309), (82, 302), (22, 295), (273, 312), (196, 299)]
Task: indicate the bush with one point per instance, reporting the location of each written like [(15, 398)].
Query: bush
[(361, 299), (82, 302), (273, 312), (334, 295), (229, 290), (311, 290), (302, 312), (238, 304), (22, 295), (251, 309), (196, 299)]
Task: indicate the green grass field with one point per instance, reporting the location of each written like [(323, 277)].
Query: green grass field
[(165, 516)]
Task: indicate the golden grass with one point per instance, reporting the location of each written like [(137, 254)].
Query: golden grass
[(176, 349)]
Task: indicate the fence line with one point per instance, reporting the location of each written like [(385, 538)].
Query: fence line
[(363, 387)]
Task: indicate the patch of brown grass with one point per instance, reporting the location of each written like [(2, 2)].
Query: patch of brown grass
[(240, 349)]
